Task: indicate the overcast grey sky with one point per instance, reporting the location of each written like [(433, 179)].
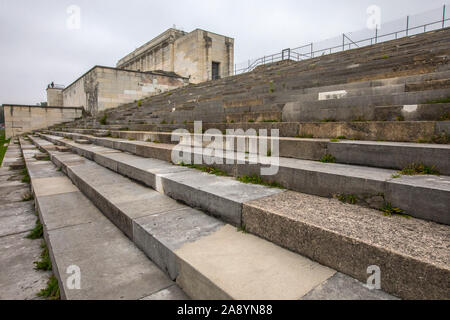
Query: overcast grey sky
[(37, 47)]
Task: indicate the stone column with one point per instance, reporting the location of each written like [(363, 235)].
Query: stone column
[(208, 57), (230, 56), (172, 54)]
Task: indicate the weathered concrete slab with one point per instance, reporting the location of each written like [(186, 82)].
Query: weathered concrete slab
[(161, 234), (18, 279), (13, 193), (412, 254), (242, 263), (16, 218), (111, 266)]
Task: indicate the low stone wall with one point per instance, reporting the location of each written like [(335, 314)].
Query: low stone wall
[(21, 119)]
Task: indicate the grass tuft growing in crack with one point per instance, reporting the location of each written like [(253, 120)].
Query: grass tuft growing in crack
[(37, 232), (214, 171), (419, 169), (254, 179), (26, 177), (242, 229), (52, 290), (27, 197), (348, 198), (389, 210), (328, 158), (45, 264)]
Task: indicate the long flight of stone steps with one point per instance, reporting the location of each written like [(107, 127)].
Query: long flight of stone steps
[(208, 258), (411, 253)]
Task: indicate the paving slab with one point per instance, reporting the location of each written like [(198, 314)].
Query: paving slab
[(18, 279), (13, 193), (17, 218)]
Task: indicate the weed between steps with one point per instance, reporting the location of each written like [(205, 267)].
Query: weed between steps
[(419, 169), (45, 264), (305, 136), (442, 100), (214, 171), (328, 158), (25, 178), (52, 291), (37, 232), (242, 229), (348, 198), (388, 211), (254, 179)]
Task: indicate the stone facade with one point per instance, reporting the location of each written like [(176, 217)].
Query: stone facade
[(104, 88), (21, 119), (55, 97), (199, 55)]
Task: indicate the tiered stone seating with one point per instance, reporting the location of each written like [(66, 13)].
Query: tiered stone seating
[(348, 122)]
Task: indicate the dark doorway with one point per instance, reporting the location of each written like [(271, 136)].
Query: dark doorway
[(215, 70)]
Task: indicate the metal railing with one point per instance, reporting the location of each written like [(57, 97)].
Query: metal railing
[(55, 86), (310, 50)]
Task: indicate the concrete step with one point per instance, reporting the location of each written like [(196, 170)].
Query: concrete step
[(185, 242), (391, 155), (338, 236), (208, 258), (395, 131), (423, 196), (351, 108), (77, 234)]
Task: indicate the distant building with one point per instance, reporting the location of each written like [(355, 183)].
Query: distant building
[(199, 55), (171, 60)]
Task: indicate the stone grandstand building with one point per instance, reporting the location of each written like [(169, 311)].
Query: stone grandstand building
[(171, 60)]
